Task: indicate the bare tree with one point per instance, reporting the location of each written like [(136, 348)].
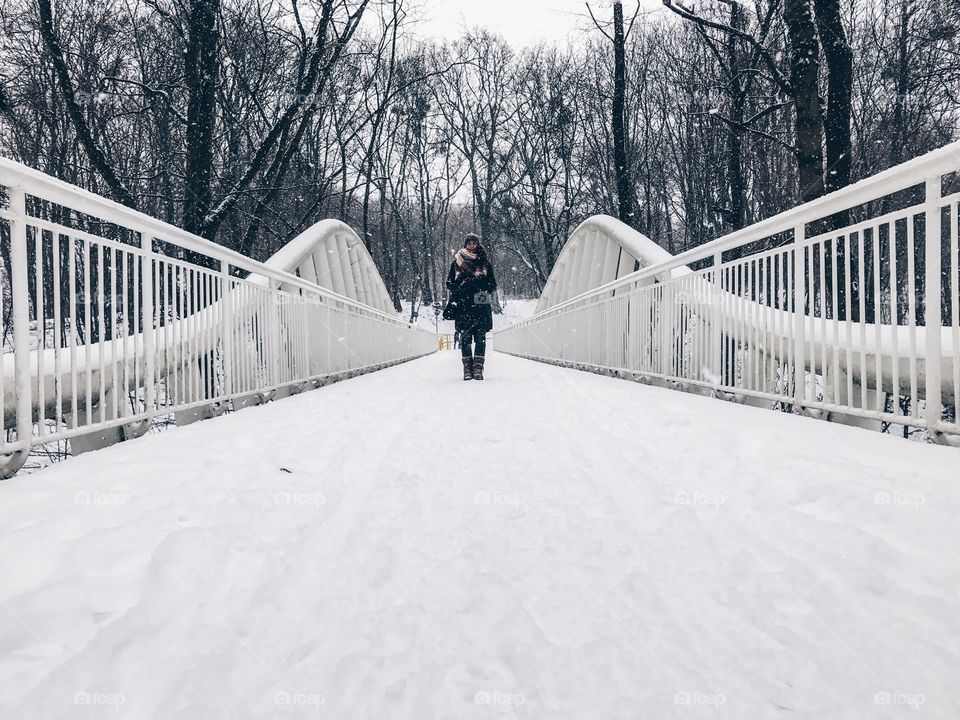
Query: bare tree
[(839, 59), (626, 202), (247, 121)]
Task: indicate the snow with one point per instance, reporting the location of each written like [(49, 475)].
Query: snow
[(547, 543)]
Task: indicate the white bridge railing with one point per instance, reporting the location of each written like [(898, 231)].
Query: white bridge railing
[(112, 318), (846, 306)]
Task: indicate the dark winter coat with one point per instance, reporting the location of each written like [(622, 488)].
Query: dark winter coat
[(472, 296)]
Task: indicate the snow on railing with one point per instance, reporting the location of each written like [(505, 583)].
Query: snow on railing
[(821, 309), (112, 318)]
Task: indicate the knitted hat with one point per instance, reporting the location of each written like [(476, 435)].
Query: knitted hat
[(471, 238)]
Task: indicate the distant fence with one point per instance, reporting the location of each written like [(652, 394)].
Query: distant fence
[(846, 306), (111, 318)]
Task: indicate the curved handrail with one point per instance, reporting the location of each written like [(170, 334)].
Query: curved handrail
[(880, 273), (205, 311)]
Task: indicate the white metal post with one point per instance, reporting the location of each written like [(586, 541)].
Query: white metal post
[(226, 329), (21, 319), (932, 311), (274, 317), (148, 312), (716, 319), (799, 320)]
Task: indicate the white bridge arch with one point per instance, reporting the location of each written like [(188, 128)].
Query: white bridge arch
[(330, 254), (599, 251)]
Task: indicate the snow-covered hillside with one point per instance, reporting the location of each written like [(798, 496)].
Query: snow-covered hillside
[(545, 544)]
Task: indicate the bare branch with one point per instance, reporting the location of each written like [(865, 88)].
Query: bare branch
[(151, 92), (761, 51), (94, 152), (595, 22), (630, 26)]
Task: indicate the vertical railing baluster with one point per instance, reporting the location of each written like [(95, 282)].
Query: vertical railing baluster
[(912, 314), (74, 337), (954, 271), (146, 323), (274, 311), (226, 329), (932, 314), (799, 323), (40, 313), (862, 305), (20, 298)]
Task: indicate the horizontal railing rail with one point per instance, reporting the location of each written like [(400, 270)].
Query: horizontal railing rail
[(112, 318), (821, 309)]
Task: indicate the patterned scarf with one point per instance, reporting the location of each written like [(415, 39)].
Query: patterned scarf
[(470, 263)]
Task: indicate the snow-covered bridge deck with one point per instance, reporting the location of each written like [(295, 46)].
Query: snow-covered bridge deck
[(547, 543)]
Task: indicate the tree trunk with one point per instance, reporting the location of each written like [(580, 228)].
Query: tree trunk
[(735, 177), (839, 58), (625, 202), (903, 84), (200, 77), (805, 81)]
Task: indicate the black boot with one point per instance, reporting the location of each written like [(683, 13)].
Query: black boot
[(478, 368), (468, 368)]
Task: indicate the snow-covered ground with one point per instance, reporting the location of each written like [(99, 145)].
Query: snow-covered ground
[(546, 544), (513, 311)]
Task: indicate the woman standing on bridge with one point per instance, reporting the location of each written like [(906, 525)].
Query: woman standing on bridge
[(470, 282)]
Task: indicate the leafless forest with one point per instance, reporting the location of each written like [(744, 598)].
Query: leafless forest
[(245, 121)]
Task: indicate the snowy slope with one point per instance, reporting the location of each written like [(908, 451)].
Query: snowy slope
[(546, 544)]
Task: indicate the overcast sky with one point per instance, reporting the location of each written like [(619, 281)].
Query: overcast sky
[(521, 22)]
